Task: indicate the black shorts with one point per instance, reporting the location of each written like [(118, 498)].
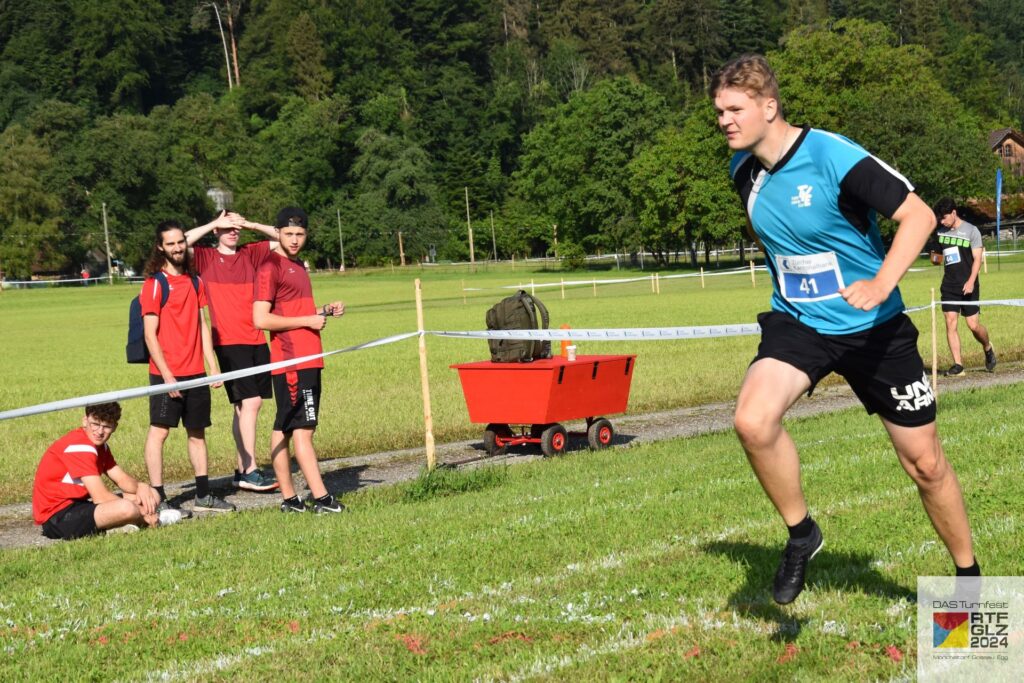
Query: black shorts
[(882, 365), (192, 409), (74, 521), (239, 357), (298, 399), (955, 292)]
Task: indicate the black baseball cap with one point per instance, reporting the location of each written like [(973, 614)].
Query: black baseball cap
[(291, 216)]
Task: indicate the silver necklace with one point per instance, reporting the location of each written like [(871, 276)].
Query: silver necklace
[(782, 152)]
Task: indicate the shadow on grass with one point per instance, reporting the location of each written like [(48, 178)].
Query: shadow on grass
[(828, 570)]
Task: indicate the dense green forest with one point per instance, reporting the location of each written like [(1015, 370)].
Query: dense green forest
[(588, 115)]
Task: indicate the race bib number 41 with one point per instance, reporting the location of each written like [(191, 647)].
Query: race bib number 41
[(811, 277)]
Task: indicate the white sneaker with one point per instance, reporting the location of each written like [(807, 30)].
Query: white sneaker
[(125, 529), (169, 516)]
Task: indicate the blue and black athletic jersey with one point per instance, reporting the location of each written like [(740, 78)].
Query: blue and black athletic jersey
[(815, 214)]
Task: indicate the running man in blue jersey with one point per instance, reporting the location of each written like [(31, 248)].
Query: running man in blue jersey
[(811, 199)]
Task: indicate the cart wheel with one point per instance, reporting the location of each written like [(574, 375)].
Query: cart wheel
[(600, 434), (554, 440), (495, 436)]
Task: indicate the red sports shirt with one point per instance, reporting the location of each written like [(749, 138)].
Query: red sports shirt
[(229, 280), (179, 332), (285, 284), (59, 476)]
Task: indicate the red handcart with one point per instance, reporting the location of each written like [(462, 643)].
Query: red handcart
[(525, 402)]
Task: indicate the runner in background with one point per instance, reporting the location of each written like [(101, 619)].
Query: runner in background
[(958, 244)]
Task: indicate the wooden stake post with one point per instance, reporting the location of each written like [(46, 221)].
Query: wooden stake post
[(702, 277), (428, 417), (753, 280)]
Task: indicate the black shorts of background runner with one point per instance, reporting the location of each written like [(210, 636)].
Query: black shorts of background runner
[(882, 365), (955, 292), (240, 357), (75, 521), (298, 399), (192, 409)]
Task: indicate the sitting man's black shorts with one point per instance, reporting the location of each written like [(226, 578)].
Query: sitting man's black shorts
[(955, 292), (298, 399), (240, 357), (75, 521), (192, 409), (882, 365)]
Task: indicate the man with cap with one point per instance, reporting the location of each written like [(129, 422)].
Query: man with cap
[(283, 304)]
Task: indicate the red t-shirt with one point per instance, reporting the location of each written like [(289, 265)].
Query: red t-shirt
[(285, 284), (229, 282), (59, 476), (179, 333)]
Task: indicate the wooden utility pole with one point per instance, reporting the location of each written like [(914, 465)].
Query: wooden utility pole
[(231, 35), (341, 242), (401, 251), (469, 228), (494, 244), (106, 241)]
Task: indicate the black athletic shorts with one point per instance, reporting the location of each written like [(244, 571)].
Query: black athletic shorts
[(298, 399), (239, 357), (955, 292), (74, 521), (881, 365), (192, 409)]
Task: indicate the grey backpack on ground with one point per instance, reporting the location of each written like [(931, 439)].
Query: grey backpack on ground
[(518, 312)]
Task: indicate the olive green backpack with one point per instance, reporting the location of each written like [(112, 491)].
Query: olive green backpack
[(518, 312)]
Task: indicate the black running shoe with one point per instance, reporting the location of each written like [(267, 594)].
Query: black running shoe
[(955, 370), (327, 506), (789, 579), (293, 505), (990, 358)]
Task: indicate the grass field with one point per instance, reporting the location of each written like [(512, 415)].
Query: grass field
[(643, 563), (66, 342)]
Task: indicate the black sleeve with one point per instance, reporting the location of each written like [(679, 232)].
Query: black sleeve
[(871, 185)]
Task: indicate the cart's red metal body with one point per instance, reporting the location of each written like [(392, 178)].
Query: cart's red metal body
[(540, 394)]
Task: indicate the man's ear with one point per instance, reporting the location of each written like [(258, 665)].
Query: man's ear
[(771, 109)]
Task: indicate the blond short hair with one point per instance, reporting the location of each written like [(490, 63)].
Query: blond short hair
[(749, 73)]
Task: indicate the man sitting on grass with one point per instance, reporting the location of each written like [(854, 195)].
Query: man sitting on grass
[(69, 498)]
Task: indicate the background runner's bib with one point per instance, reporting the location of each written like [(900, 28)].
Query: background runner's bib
[(950, 256), (811, 277)]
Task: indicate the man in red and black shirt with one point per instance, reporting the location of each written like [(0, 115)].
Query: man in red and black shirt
[(229, 271), (178, 340), (283, 304), (69, 499)]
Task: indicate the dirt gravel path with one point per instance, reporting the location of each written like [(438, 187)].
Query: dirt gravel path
[(353, 473)]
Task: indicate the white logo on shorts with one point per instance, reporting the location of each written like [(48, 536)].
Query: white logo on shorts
[(914, 396)]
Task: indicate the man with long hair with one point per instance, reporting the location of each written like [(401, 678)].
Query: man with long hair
[(178, 339), (811, 199)]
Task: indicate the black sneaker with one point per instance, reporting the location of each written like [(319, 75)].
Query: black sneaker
[(166, 505), (293, 505), (789, 579), (955, 370), (990, 358), (327, 505), (211, 503)]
